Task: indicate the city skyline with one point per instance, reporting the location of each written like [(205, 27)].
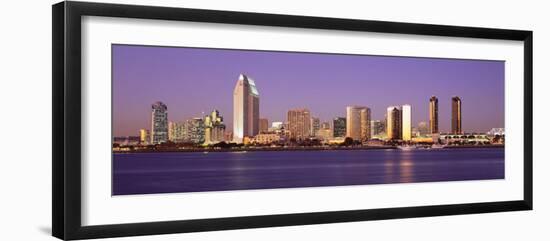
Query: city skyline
[(208, 94)]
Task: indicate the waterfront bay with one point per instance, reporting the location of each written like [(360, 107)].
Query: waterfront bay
[(171, 172)]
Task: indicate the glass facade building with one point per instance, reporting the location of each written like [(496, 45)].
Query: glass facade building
[(159, 123), (406, 125), (393, 123), (246, 109), (434, 115), (456, 115), (299, 123), (339, 127), (358, 123), (214, 129)]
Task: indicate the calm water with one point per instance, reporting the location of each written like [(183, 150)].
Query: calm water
[(141, 173)]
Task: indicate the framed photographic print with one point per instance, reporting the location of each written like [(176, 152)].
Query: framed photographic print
[(171, 120)]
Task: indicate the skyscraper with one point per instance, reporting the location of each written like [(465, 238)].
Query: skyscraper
[(339, 127), (144, 136), (195, 130), (456, 115), (434, 115), (377, 128), (299, 123), (358, 123), (171, 132), (366, 131), (315, 126), (325, 132), (214, 129), (159, 123), (264, 125), (176, 131), (406, 125), (393, 123), (246, 109)]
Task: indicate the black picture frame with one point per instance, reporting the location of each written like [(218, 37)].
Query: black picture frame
[(66, 164)]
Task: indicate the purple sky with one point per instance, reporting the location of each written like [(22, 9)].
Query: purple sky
[(191, 81)]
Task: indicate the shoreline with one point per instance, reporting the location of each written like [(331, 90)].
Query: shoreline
[(299, 149)]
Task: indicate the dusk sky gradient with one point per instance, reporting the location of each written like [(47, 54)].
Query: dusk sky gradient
[(194, 81)]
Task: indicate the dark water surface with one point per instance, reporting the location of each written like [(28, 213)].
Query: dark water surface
[(143, 173)]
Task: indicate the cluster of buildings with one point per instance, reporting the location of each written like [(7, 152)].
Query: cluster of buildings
[(207, 130), (300, 124)]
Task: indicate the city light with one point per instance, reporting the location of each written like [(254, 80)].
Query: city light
[(301, 129)]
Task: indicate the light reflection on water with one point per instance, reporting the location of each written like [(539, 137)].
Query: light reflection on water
[(406, 166), (388, 170), (141, 173), (406, 173)]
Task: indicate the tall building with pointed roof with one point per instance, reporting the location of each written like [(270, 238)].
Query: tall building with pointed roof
[(246, 109)]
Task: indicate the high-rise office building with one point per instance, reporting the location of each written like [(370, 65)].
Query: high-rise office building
[(159, 123), (171, 130), (144, 136), (285, 126), (358, 123), (377, 128), (195, 130), (366, 131), (339, 127), (325, 132), (246, 109), (393, 123), (264, 125), (406, 123), (434, 115), (299, 123), (456, 115), (214, 129), (315, 126), (176, 131)]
